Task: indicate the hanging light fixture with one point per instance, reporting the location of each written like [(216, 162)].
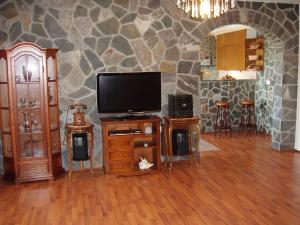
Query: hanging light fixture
[(205, 8)]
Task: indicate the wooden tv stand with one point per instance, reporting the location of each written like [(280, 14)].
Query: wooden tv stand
[(126, 140)]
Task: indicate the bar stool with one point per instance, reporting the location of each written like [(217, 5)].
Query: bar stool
[(247, 116), (222, 121)]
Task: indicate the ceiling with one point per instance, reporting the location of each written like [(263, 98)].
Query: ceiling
[(274, 1)]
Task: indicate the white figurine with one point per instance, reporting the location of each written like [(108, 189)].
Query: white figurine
[(144, 164)]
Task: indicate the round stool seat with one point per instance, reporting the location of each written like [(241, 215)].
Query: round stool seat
[(222, 104), (247, 102)]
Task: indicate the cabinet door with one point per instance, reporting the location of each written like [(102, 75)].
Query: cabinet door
[(27, 76), (229, 57)]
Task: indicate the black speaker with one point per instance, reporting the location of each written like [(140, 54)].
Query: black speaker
[(80, 146), (180, 105), (180, 143)]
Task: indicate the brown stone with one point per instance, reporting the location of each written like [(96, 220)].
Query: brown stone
[(167, 66), (142, 52)]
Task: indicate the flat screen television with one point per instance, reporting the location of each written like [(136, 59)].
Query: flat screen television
[(129, 92)]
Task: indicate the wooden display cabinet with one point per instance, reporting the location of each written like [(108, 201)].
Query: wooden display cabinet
[(30, 128), (126, 140)]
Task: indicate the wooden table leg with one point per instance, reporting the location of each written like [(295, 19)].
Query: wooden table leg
[(69, 136), (170, 147), (91, 140)]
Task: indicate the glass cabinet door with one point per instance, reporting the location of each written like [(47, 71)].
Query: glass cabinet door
[(4, 111), (29, 113)]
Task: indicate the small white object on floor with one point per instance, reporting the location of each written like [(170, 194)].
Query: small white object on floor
[(144, 164)]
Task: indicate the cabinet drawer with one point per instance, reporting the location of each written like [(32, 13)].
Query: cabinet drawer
[(119, 144), (33, 168), (120, 167), (120, 156)]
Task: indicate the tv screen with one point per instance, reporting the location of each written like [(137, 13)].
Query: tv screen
[(129, 92)]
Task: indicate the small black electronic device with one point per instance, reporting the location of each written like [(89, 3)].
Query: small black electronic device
[(80, 146), (180, 105), (180, 143)]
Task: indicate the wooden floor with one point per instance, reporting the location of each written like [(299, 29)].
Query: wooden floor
[(244, 183)]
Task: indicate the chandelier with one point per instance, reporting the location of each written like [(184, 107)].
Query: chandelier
[(205, 8)]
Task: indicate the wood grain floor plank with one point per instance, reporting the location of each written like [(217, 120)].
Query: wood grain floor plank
[(244, 183)]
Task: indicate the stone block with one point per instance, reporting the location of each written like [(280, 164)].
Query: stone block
[(109, 27), (121, 44)]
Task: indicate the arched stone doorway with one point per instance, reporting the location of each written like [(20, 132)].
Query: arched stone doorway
[(279, 23)]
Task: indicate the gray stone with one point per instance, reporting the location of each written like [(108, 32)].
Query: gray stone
[(90, 101), (94, 14), (109, 26), (154, 4), (15, 31), (119, 12), (102, 45), (184, 67), (172, 54), (90, 82), (129, 18), (80, 11), (123, 3), (129, 62), (167, 21), (9, 11), (130, 31), (103, 3), (64, 45), (143, 54), (188, 25), (53, 28), (150, 33), (90, 41), (44, 43), (152, 42), (95, 33), (196, 68), (112, 57), (54, 12), (168, 37), (25, 37), (84, 65), (87, 3), (38, 29), (93, 59), (177, 29), (3, 37), (84, 25), (144, 11), (80, 92), (157, 25), (121, 44), (94, 116), (65, 69), (38, 13), (188, 84)]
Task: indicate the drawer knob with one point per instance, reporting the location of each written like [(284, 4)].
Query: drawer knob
[(120, 166), (120, 154)]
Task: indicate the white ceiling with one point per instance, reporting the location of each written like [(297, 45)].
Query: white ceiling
[(274, 1)]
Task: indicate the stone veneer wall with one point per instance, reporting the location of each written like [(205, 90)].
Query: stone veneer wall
[(232, 91), (145, 35)]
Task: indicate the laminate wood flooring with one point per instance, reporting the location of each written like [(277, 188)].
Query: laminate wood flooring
[(245, 183)]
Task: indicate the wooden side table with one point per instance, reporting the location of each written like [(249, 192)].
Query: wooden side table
[(72, 129), (172, 123)]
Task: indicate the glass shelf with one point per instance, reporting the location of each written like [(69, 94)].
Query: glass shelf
[(30, 133)]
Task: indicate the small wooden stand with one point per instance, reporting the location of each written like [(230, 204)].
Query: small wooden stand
[(70, 130), (172, 123)]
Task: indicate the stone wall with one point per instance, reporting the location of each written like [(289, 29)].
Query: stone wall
[(144, 35), (232, 91)]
